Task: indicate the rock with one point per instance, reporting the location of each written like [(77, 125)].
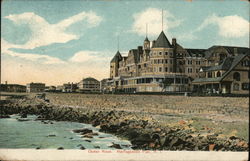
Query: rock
[(82, 131), (211, 147), (142, 139), (88, 141), (101, 137), (60, 148), (38, 148), (23, 115), (4, 116), (51, 135), (116, 146), (233, 138), (23, 119), (97, 147), (82, 148)]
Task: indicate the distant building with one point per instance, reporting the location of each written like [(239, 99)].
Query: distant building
[(69, 87), (12, 88), (35, 87), (59, 88), (104, 85), (50, 88), (89, 85)]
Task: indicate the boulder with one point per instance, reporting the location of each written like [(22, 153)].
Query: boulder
[(60, 148), (4, 116), (116, 146), (82, 131)]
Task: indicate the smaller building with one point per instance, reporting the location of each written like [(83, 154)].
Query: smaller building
[(69, 87), (104, 87), (50, 89), (89, 85), (35, 87), (12, 88)]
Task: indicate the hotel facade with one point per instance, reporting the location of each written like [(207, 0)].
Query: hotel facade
[(161, 66)]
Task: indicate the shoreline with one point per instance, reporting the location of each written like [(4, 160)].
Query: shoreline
[(143, 133)]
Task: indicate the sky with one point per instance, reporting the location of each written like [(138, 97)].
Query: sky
[(60, 41)]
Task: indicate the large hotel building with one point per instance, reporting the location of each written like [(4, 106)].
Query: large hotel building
[(161, 66)]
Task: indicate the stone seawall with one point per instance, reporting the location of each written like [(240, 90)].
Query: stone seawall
[(142, 132)]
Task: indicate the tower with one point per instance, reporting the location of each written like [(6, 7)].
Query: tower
[(146, 44)]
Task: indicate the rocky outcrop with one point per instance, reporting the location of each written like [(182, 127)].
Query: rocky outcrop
[(142, 133)]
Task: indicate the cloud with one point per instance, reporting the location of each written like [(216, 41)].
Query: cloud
[(153, 17), (91, 57), (83, 56), (37, 58), (229, 26), (44, 33), (82, 64)]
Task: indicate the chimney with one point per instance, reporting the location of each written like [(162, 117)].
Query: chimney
[(235, 52), (140, 49), (6, 82), (174, 41), (153, 43)]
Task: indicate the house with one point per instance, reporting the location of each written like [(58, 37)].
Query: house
[(226, 71), (35, 87), (89, 85)]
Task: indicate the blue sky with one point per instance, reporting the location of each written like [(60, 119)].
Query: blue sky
[(56, 41)]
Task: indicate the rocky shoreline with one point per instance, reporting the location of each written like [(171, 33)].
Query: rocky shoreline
[(144, 133)]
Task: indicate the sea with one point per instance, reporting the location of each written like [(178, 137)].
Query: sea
[(34, 134)]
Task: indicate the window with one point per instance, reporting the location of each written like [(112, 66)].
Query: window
[(198, 62), (180, 70), (190, 70), (166, 53), (160, 53), (155, 61), (236, 86), (160, 69), (209, 74), (218, 74), (171, 61), (190, 62), (177, 80), (236, 76), (197, 70), (166, 61), (166, 69), (171, 70), (245, 86), (245, 63)]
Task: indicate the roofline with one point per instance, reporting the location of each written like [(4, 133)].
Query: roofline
[(233, 67)]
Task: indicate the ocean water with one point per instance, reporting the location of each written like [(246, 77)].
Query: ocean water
[(35, 134)]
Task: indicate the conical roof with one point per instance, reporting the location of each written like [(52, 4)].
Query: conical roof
[(117, 57), (162, 41), (146, 39)]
